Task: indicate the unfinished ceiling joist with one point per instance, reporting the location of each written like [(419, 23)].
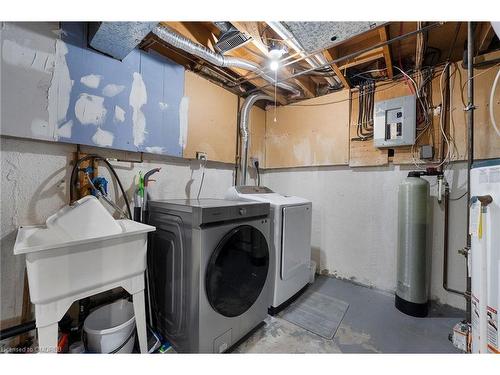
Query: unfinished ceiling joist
[(314, 73)]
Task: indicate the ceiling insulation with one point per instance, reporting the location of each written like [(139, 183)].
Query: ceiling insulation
[(315, 36)]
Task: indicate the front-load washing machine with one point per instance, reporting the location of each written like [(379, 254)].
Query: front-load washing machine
[(290, 239), (208, 271)]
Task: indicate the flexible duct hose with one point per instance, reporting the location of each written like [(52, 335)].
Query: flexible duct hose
[(181, 42), (244, 118), (492, 97)]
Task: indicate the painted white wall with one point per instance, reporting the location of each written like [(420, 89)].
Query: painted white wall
[(354, 223), (34, 184)]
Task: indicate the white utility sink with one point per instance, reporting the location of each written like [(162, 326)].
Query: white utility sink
[(66, 262)]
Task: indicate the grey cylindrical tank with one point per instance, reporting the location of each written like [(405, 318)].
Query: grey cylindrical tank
[(411, 289)]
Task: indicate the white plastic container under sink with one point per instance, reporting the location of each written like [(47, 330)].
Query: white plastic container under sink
[(109, 327)]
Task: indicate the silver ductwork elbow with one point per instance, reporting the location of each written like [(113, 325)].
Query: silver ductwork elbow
[(178, 41), (244, 119)]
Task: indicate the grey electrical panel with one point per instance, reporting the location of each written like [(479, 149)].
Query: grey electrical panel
[(394, 122)]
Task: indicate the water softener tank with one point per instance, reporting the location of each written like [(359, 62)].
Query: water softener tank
[(411, 289)]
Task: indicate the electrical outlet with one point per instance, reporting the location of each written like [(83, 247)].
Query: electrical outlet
[(200, 155), (254, 161)]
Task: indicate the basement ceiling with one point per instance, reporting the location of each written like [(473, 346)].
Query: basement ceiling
[(317, 36), (360, 49)]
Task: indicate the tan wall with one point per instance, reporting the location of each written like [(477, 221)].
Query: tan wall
[(212, 119), (315, 132), (257, 129)]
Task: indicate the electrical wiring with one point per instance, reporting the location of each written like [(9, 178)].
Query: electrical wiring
[(415, 87), (364, 128), (424, 92), (479, 74), (458, 198), (399, 57), (452, 121), (257, 169), (362, 74), (342, 100), (202, 166), (447, 159)]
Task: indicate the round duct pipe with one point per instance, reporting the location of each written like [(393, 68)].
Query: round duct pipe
[(244, 117), (181, 42)]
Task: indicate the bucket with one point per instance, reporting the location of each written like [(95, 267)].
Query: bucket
[(111, 328), (312, 271)]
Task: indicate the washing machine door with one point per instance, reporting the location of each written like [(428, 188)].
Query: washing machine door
[(237, 271)]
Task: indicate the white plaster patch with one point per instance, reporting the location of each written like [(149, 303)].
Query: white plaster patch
[(183, 121), (40, 129), (163, 106), (138, 97), (111, 90), (25, 57), (92, 80), (155, 150), (60, 87), (119, 114), (64, 131), (302, 152), (103, 138), (89, 109)]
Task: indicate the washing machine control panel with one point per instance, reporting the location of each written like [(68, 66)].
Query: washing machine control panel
[(237, 211), (253, 190)]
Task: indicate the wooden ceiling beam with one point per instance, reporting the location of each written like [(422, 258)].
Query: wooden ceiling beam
[(372, 55), (252, 29), (330, 56), (486, 35), (196, 31), (384, 36), (199, 32)]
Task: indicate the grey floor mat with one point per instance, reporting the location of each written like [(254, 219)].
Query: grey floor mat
[(316, 312)]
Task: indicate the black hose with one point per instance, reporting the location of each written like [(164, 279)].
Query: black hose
[(74, 174), (7, 333)]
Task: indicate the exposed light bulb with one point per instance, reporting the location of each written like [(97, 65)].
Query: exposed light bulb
[(274, 65)]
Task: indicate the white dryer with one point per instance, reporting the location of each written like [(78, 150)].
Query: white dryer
[(290, 239)]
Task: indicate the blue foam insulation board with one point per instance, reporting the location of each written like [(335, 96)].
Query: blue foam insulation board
[(102, 89)]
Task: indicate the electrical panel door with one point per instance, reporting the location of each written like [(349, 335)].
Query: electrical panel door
[(395, 122)]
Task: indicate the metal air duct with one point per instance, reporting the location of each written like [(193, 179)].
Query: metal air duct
[(244, 117), (318, 61), (178, 41)]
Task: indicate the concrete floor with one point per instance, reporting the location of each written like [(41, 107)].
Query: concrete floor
[(371, 325)]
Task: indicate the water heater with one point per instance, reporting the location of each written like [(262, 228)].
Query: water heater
[(412, 286), (485, 255)]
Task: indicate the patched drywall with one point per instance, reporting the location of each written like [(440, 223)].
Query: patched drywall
[(34, 184), (354, 223), (57, 89)]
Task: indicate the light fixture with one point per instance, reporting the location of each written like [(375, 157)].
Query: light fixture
[(276, 51)]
